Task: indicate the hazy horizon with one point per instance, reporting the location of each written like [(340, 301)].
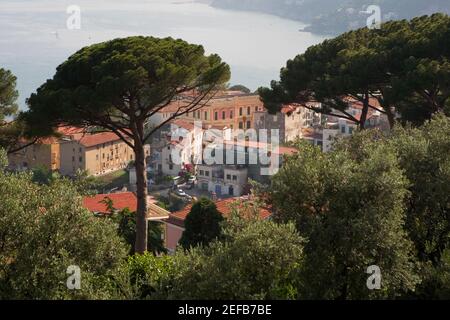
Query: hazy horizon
[(249, 42)]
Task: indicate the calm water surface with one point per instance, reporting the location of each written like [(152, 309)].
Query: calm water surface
[(34, 39)]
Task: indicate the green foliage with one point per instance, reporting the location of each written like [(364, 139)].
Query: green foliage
[(261, 261), (138, 74), (43, 175), (240, 87), (423, 154), (404, 65), (147, 273), (87, 184), (11, 128), (202, 224), (117, 85), (43, 231), (8, 94), (126, 221), (351, 211), (3, 159)]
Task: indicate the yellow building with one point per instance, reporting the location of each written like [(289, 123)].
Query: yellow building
[(44, 153), (98, 154)]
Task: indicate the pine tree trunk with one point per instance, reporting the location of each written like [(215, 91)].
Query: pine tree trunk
[(141, 192), (365, 111)]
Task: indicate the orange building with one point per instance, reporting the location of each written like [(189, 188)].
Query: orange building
[(231, 109)]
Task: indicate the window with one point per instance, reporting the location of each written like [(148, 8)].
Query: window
[(206, 115), (241, 125), (240, 111), (171, 167), (202, 173), (231, 114), (234, 178), (249, 124), (343, 129), (103, 156), (80, 149), (73, 159), (216, 116), (207, 173), (350, 130), (223, 115), (80, 159), (198, 114), (228, 176), (248, 110), (256, 108), (96, 157)]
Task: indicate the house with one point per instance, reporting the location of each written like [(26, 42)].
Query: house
[(232, 109), (97, 153), (44, 153), (123, 200), (290, 121), (174, 225), (183, 147), (223, 180), (233, 162)]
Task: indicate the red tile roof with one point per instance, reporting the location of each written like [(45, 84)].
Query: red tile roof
[(184, 124), (287, 109), (90, 140), (224, 207), (120, 201)]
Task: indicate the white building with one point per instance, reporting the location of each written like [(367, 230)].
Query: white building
[(184, 147), (223, 180)]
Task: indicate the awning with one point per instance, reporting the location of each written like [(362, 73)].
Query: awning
[(156, 213)]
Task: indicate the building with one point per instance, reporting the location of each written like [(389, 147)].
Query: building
[(290, 121), (98, 154), (123, 200), (183, 147), (233, 162), (223, 180), (174, 225), (44, 153), (231, 109)]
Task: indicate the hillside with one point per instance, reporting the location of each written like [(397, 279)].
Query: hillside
[(332, 17)]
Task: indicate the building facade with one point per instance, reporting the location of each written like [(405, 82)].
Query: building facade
[(98, 154)]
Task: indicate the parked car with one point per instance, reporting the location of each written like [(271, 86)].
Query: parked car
[(180, 193)]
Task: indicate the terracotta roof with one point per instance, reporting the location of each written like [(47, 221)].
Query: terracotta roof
[(184, 124), (90, 140), (356, 104), (287, 109), (219, 101), (224, 207), (120, 201)]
